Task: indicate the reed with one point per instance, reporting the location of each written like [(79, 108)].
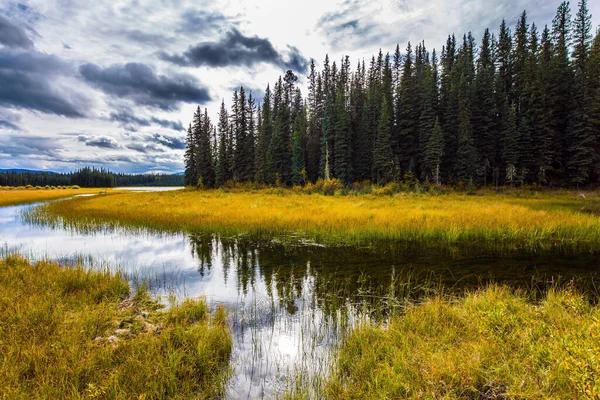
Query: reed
[(78, 333), (521, 220)]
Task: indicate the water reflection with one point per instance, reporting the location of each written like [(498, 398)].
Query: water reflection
[(288, 304)]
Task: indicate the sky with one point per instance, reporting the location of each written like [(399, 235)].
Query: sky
[(114, 84)]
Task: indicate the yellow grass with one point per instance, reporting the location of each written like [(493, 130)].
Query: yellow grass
[(71, 333), (492, 344), (22, 196), (546, 220)]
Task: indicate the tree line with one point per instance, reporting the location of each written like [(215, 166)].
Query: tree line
[(521, 107), (87, 177)]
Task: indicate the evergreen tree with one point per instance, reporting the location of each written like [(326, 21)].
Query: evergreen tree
[(580, 138), (222, 173), (484, 110), (435, 150), (342, 142), (594, 88), (407, 112), (190, 174), (383, 164)]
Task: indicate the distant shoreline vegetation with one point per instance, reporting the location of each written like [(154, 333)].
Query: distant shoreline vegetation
[(87, 177), (518, 108)]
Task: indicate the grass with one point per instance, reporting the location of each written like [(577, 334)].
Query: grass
[(494, 343), (74, 333), (11, 197), (522, 220)]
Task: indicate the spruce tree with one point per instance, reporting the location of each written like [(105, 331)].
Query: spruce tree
[(190, 174), (580, 139), (383, 164), (433, 155), (484, 110), (221, 171)]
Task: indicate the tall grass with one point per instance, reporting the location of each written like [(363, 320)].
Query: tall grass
[(494, 343), (76, 333), (539, 221), (12, 196)]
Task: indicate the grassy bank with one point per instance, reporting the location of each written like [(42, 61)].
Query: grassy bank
[(11, 197), (72, 333), (522, 220), (491, 344)]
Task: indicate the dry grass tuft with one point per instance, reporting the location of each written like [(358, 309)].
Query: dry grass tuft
[(75, 333)]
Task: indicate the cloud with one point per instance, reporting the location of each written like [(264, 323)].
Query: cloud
[(139, 83), (152, 39), (103, 142), (8, 125), (169, 141), (129, 121), (9, 120), (197, 21), (145, 148), (368, 25), (236, 49), (33, 80), (12, 35), (30, 146)]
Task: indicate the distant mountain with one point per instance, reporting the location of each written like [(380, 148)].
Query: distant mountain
[(21, 171)]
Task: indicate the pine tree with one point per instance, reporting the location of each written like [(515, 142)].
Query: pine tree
[(435, 150), (190, 174), (580, 138), (383, 164), (484, 109), (297, 155), (594, 88), (562, 83), (342, 142), (510, 151), (407, 112), (466, 154), (221, 171)]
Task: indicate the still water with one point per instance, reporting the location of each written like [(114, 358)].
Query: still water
[(286, 302)]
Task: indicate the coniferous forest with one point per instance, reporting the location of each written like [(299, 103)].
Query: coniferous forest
[(518, 106), (87, 177)]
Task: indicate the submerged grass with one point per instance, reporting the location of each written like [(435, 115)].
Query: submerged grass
[(23, 196), (494, 343), (76, 333), (551, 220)]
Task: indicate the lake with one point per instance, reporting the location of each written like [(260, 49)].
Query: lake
[(288, 304)]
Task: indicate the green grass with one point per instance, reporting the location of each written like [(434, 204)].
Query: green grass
[(495, 343), (74, 333)]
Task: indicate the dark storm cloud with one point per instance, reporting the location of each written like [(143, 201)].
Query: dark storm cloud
[(129, 121), (28, 80), (236, 49), (138, 82), (13, 35), (103, 142), (169, 141)]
